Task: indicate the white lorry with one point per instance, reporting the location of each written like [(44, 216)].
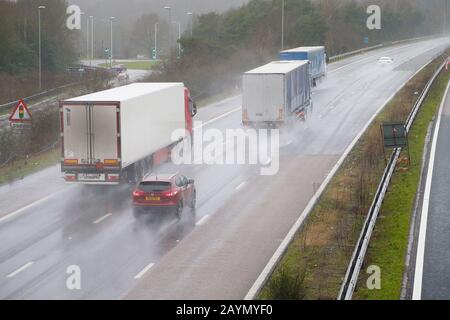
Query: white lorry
[(117, 135), (276, 93)]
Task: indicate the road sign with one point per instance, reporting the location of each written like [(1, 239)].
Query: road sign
[(395, 135), (20, 117), (20, 114)]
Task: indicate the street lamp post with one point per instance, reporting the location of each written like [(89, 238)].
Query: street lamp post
[(81, 53), (179, 37), (282, 24), (87, 38), (92, 40), (111, 49), (40, 48), (192, 21), (446, 16), (169, 9), (156, 40)]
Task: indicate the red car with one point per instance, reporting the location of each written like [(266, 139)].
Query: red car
[(164, 191)]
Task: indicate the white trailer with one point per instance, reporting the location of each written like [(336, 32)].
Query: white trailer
[(117, 135), (276, 93)]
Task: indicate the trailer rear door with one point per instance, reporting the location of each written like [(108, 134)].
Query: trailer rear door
[(75, 134), (90, 134), (104, 132)]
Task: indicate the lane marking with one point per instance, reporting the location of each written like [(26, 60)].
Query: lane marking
[(106, 216), (202, 220), (270, 266), (217, 118), (19, 211), (418, 274), (25, 266), (240, 185), (143, 271)]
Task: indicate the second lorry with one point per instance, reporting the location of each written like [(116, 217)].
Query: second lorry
[(276, 94)]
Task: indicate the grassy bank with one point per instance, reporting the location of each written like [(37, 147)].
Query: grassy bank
[(390, 239), (19, 169), (316, 261), (134, 65)]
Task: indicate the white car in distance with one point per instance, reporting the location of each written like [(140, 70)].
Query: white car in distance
[(385, 60)]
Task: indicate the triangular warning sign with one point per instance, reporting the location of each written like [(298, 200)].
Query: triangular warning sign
[(20, 113)]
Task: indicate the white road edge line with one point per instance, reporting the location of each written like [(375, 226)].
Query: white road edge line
[(240, 185), (21, 210), (143, 271), (418, 274), (25, 266), (260, 281), (217, 118), (106, 216), (202, 220)]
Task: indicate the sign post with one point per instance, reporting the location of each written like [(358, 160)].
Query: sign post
[(395, 136)]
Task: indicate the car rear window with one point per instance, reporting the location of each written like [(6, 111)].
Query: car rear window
[(154, 186)]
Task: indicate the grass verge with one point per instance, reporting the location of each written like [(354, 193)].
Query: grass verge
[(20, 168), (390, 238), (134, 65), (322, 248)]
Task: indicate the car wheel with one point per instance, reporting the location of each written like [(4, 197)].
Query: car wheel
[(179, 210), (193, 200)]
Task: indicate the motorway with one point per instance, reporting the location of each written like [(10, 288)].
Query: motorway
[(241, 217), (432, 277)]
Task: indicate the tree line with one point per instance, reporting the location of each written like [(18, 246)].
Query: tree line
[(224, 45), (19, 39)]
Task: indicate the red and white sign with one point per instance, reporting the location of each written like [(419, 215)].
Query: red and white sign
[(20, 114)]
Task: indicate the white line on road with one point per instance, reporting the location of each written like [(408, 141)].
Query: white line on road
[(217, 118), (202, 220), (140, 274), (418, 274), (17, 212), (25, 266), (240, 185), (106, 216)]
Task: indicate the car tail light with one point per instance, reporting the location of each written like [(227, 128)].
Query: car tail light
[(169, 193), (138, 193)]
